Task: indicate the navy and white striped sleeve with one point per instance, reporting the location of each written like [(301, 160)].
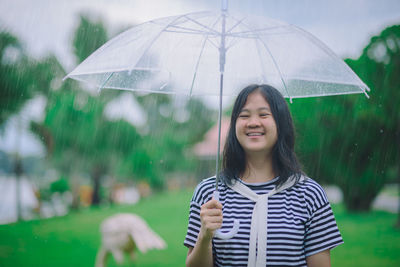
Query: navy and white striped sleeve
[(201, 194), (193, 225), (321, 232)]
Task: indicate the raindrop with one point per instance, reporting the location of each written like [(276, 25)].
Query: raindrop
[(11, 55), (163, 86), (165, 110), (182, 115)]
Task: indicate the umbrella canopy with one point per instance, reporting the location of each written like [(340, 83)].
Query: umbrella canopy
[(186, 54)]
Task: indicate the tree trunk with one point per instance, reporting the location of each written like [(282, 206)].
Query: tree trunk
[(18, 172), (75, 194), (96, 179), (359, 201), (397, 225)]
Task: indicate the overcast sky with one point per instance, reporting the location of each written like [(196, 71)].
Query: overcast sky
[(44, 26), (48, 25)]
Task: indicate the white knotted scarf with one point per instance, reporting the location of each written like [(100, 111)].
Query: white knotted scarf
[(259, 220)]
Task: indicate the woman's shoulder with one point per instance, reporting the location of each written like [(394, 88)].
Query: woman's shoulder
[(204, 190), (312, 189), (206, 183), (308, 183)]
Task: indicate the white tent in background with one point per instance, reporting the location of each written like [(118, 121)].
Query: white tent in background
[(8, 199)]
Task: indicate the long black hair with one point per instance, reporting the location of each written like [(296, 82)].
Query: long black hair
[(284, 160)]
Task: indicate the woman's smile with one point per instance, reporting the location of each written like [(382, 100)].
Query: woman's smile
[(255, 133)]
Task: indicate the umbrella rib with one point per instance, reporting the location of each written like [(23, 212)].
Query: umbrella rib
[(234, 26), (201, 52), (272, 57), (197, 65), (261, 64), (155, 38), (277, 67), (232, 41), (211, 31), (104, 83), (202, 25), (255, 36), (247, 34), (330, 53), (189, 30)]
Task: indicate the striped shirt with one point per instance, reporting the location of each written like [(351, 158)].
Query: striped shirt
[(300, 223)]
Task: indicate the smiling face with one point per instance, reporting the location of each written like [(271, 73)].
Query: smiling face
[(255, 128)]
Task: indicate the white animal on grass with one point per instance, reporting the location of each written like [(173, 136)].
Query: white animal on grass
[(123, 233)]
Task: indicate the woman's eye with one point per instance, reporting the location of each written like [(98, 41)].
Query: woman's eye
[(243, 116), (264, 114)]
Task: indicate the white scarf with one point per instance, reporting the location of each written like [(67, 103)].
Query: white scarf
[(258, 229)]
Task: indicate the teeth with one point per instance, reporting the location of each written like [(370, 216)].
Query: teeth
[(254, 134)]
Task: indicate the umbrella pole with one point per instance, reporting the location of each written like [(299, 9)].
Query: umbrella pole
[(219, 130), (222, 52)]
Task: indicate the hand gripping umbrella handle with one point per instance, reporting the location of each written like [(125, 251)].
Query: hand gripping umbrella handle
[(226, 235)]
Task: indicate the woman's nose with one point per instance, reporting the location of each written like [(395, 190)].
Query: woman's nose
[(253, 122)]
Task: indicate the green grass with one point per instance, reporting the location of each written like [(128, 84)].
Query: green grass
[(369, 239), (73, 240)]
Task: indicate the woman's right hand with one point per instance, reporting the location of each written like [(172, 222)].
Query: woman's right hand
[(211, 218)]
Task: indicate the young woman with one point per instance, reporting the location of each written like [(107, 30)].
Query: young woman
[(285, 217)]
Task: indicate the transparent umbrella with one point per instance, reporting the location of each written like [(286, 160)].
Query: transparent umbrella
[(218, 53)]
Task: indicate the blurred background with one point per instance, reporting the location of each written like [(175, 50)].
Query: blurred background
[(70, 158)]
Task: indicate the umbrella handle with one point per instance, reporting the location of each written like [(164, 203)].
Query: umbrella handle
[(226, 235)]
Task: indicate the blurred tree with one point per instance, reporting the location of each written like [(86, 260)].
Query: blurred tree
[(21, 78), (67, 125), (352, 141), (89, 36), (82, 139), (78, 137), (61, 185), (14, 87), (175, 125)]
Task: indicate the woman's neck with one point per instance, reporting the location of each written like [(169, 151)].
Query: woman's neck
[(259, 169)]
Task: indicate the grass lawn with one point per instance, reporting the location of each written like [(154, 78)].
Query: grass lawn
[(73, 240), (369, 239)]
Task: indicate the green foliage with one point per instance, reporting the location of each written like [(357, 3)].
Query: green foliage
[(82, 140), (169, 139), (353, 141), (14, 83), (21, 78), (139, 165), (61, 185), (88, 37)]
